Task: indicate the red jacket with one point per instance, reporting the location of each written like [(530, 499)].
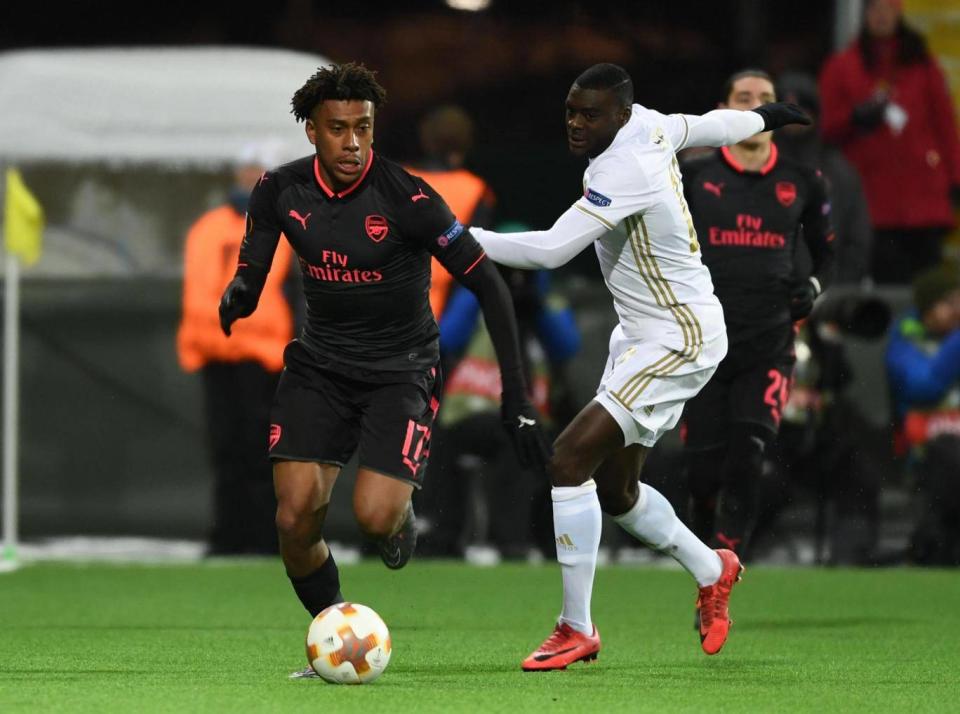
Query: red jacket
[(907, 176)]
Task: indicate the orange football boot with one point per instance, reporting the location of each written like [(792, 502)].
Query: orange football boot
[(712, 604), (563, 647)]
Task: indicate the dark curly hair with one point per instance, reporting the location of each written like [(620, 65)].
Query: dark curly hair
[(338, 81)]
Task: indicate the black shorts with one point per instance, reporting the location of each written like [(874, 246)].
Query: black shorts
[(751, 385), (321, 415)]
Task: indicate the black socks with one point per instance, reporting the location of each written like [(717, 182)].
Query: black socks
[(320, 589)]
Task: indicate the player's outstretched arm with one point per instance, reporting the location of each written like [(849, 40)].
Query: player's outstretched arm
[(548, 249), (723, 127), (520, 418)]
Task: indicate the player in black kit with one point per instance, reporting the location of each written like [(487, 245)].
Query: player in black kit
[(364, 373), (751, 208)]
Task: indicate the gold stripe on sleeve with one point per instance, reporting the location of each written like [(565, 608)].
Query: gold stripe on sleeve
[(606, 224)]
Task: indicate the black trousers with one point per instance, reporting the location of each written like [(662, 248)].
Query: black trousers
[(516, 503), (900, 255), (238, 398), (936, 537)]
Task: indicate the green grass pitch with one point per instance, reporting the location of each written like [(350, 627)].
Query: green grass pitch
[(222, 637)]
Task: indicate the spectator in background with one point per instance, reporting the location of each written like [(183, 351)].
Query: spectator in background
[(886, 104), (239, 374), (923, 365), (446, 137), (849, 214), (516, 502)]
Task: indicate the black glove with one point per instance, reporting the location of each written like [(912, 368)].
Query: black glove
[(802, 296), (778, 114), (522, 423), (869, 114), (239, 300)]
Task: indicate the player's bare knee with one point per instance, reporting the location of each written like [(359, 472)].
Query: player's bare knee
[(617, 497), (377, 520), (565, 469), (295, 523)]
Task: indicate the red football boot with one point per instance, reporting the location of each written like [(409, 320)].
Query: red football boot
[(563, 647), (712, 604)]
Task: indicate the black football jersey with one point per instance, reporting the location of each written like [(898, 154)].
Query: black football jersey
[(364, 254), (748, 225)]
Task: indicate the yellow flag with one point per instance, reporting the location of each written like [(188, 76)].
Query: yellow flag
[(22, 220)]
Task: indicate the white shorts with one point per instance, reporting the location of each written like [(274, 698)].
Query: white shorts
[(645, 384)]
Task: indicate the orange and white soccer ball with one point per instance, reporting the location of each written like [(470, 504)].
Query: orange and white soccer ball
[(348, 643)]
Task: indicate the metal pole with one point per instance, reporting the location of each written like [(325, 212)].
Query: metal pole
[(11, 389)]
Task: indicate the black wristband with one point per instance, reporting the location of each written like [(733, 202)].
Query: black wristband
[(252, 275)]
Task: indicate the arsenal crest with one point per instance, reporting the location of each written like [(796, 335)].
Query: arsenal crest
[(377, 227), (786, 193)]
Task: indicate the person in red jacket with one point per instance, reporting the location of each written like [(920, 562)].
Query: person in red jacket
[(885, 102)]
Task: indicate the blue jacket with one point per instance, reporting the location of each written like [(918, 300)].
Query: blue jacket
[(921, 369), (556, 329)]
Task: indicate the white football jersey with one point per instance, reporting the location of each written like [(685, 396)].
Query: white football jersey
[(649, 255)]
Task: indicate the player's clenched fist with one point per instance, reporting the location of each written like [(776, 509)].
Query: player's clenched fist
[(778, 114), (523, 424), (239, 300)]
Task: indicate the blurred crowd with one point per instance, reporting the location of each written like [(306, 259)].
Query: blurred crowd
[(884, 138)]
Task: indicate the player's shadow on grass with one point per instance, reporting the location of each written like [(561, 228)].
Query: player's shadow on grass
[(821, 623)]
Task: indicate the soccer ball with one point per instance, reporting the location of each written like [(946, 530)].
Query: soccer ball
[(348, 643)]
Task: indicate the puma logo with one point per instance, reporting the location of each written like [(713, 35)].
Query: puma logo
[(714, 188), (302, 219), (729, 542), (419, 196), (524, 421)]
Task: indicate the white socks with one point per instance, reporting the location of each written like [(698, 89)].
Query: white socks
[(653, 521), (577, 521), (576, 524)]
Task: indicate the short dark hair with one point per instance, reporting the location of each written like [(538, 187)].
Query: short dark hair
[(610, 77), (737, 76), (933, 285), (338, 81)]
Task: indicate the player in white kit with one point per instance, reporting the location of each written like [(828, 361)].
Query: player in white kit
[(669, 340)]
